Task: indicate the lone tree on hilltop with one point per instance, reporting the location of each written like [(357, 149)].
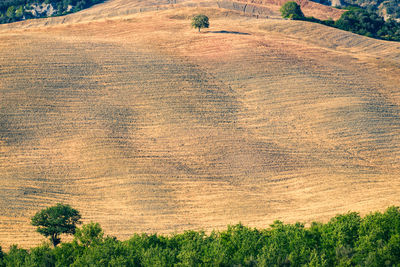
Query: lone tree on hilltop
[(291, 10), (200, 21), (56, 220)]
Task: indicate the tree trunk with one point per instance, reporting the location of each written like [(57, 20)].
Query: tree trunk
[(55, 240)]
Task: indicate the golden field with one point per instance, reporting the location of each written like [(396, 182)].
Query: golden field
[(145, 125)]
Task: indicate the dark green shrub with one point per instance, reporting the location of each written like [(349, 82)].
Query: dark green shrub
[(361, 22), (16, 256), (291, 10), (41, 256), (338, 238), (287, 245), (15, 10), (110, 252), (66, 253), (379, 237)]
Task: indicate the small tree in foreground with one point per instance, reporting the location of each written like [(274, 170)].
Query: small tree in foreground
[(200, 21), (56, 220), (291, 10), (89, 235)]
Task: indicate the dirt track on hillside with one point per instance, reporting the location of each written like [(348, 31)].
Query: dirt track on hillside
[(143, 124)]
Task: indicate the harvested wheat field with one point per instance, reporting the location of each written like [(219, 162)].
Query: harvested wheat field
[(145, 125)]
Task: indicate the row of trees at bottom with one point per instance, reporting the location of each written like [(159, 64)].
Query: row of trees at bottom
[(346, 240)]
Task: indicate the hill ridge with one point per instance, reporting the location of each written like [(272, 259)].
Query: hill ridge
[(145, 125)]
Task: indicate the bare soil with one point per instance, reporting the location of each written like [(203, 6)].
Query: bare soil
[(145, 125)]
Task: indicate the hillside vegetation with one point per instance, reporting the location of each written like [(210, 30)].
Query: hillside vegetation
[(16, 10), (145, 125), (387, 9), (346, 240), (354, 20)]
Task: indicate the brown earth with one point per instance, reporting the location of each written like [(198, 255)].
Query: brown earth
[(146, 125), (308, 7)]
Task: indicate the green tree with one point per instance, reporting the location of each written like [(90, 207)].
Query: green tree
[(56, 220), (10, 12), (89, 235), (291, 10), (361, 22), (19, 12), (379, 237), (40, 256), (200, 21), (16, 256)]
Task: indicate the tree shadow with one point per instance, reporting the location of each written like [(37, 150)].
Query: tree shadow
[(230, 32)]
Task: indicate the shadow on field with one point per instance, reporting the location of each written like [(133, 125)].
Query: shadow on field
[(230, 32)]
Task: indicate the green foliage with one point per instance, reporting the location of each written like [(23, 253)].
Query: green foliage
[(89, 235), (378, 244), (200, 21), (16, 10), (16, 257), (361, 22), (369, 24), (346, 240), (10, 12), (40, 256), (19, 12), (110, 252), (56, 220), (240, 245), (355, 20), (338, 237), (391, 8), (291, 10), (287, 245), (66, 253)]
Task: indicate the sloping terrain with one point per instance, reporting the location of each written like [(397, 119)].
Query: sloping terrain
[(271, 8), (145, 125)]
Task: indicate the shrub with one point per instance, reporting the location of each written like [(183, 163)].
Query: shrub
[(200, 21), (291, 10)]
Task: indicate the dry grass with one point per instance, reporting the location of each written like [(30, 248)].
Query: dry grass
[(145, 125), (308, 7)]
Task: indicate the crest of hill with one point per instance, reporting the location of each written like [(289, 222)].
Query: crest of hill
[(116, 8), (309, 8)]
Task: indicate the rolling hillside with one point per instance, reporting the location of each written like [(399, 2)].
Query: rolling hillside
[(145, 125)]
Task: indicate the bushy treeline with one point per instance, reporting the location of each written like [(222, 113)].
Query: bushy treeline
[(355, 20), (389, 8), (369, 24), (16, 10), (346, 240), (363, 22)]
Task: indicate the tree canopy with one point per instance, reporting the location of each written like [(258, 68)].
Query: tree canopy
[(346, 240), (56, 220), (16, 10), (356, 20), (200, 21), (291, 10)]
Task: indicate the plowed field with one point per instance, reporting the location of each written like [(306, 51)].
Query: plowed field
[(145, 125)]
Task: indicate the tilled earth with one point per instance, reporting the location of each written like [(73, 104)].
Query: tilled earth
[(145, 125)]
